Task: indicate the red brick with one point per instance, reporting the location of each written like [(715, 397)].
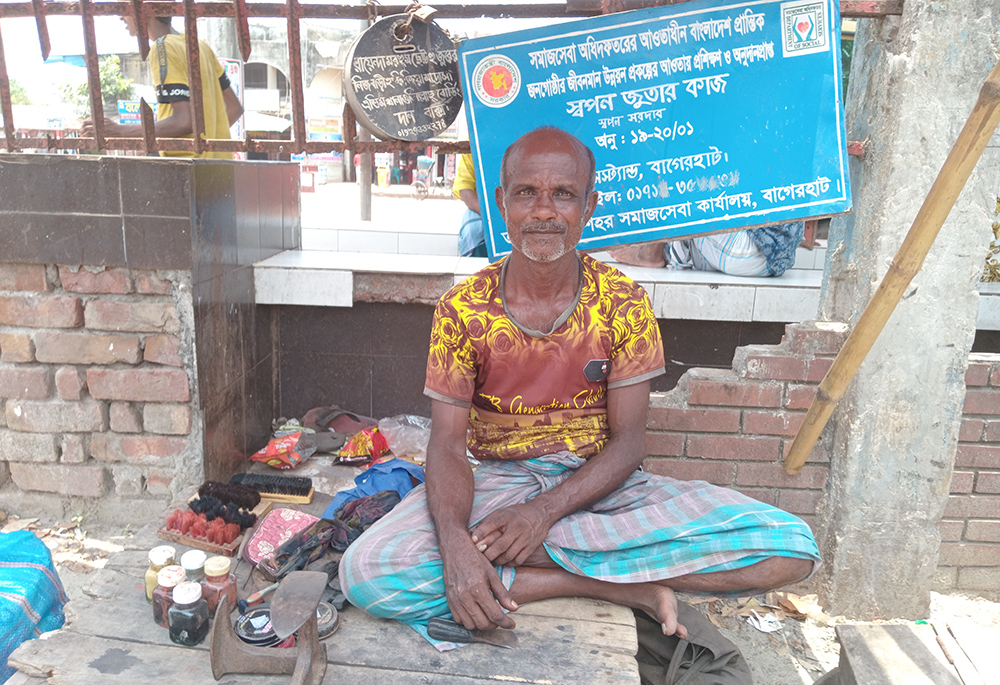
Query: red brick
[(960, 554), (733, 448), (800, 396), (815, 337), (697, 420), (978, 579), (766, 496), (139, 385), (158, 483), (78, 481), (992, 431), (70, 383), (715, 472), (995, 376), (27, 447), (820, 453), (988, 483), (772, 423), (148, 283), (41, 312), (799, 501), (28, 277), (125, 418), (734, 394), (665, 444), (73, 449), (55, 417), (108, 280), (58, 347), (163, 349), (16, 348), (132, 317), (978, 456), (951, 531), (979, 401), (136, 449), (972, 506), (130, 481), (977, 373), (971, 430), (773, 475), (961, 482), (777, 367), (983, 531), (167, 419), (25, 383)]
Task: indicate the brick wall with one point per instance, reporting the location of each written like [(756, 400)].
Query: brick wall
[(733, 428), (99, 404)]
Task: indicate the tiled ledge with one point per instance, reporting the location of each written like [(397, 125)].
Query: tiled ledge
[(338, 279)]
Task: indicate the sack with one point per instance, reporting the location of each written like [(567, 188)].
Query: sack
[(274, 530), (355, 517), (32, 597), (704, 658)]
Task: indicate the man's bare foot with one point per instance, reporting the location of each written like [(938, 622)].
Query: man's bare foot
[(658, 601), (647, 254)]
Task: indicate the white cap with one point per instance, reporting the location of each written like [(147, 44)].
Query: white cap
[(217, 566), (162, 555), (193, 559), (169, 576), (187, 593)]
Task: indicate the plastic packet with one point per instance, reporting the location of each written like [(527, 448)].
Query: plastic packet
[(407, 435)]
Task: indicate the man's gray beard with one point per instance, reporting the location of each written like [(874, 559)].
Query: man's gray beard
[(549, 256)]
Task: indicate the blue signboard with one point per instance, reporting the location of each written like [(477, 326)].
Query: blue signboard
[(704, 117)]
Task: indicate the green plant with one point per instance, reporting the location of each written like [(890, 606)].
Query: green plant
[(18, 95), (114, 87)]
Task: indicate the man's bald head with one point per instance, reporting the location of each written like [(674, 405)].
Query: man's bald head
[(548, 134)]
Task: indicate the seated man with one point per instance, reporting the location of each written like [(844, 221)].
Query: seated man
[(544, 359), (764, 251)]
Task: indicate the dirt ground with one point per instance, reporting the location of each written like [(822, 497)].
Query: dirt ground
[(799, 652)]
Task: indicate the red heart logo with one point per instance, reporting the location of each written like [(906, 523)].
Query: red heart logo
[(802, 26)]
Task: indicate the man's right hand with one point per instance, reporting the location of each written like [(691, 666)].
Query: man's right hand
[(475, 593)]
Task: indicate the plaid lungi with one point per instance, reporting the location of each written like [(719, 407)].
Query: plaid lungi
[(650, 528)]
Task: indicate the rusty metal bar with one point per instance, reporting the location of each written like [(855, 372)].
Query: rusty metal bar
[(242, 28), (43, 28), (856, 9), (93, 73), (295, 73), (150, 145), (194, 75), (139, 17), (5, 103)]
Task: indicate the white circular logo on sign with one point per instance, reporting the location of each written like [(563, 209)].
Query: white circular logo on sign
[(496, 81)]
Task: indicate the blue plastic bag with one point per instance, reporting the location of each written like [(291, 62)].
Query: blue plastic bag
[(384, 475), (31, 595)]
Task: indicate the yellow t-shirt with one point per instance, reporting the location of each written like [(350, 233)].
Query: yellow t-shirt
[(465, 175), (170, 76)]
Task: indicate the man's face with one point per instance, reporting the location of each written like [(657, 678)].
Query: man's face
[(130, 25), (545, 203)]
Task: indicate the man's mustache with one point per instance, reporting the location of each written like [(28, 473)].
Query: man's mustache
[(545, 227)]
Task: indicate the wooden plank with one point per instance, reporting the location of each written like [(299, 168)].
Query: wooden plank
[(227, 550), (892, 655), (71, 659), (980, 644), (579, 609)]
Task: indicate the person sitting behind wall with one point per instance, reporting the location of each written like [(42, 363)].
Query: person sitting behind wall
[(175, 117), (766, 251), (471, 237)]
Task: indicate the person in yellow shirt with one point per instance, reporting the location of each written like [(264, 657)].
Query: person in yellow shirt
[(175, 116), (471, 238)]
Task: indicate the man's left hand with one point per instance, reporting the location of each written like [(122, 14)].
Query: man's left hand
[(509, 535)]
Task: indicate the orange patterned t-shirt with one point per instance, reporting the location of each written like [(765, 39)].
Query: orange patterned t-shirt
[(531, 395)]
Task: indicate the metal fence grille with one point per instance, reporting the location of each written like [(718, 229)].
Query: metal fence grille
[(293, 12)]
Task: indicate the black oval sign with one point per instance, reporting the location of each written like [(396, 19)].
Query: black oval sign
[(401, 79)]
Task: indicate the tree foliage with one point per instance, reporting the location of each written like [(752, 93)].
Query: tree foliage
[(18, 95), (114, 87)]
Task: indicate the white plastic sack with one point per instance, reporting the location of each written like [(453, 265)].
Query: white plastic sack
[(407, 435)]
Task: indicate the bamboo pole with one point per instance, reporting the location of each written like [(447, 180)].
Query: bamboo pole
[(978, 129)]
